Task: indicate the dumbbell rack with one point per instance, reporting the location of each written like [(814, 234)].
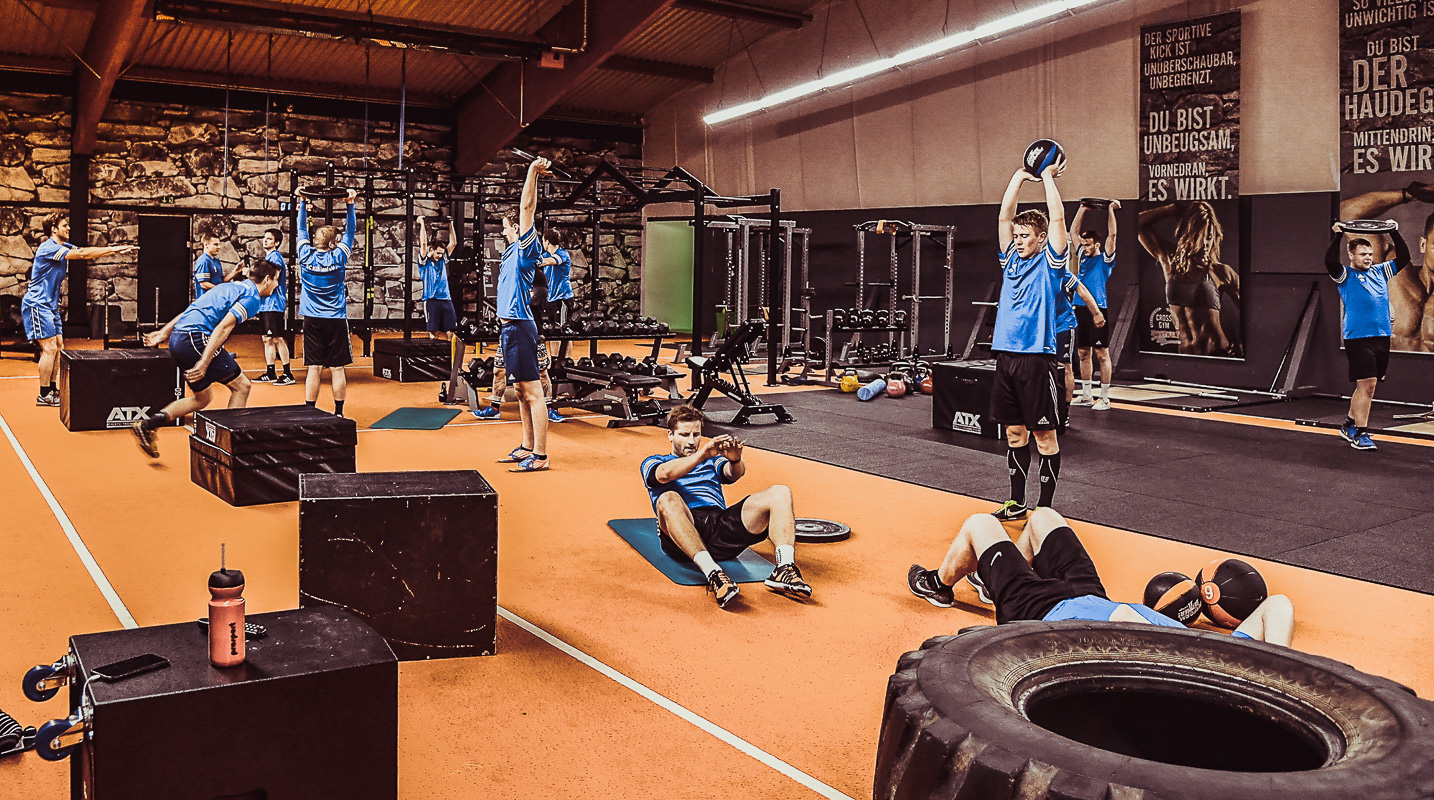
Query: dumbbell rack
[(831, 363), (457, 393)]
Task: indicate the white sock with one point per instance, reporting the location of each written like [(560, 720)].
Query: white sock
[(1104, 390), (704, 562), (786, 554)]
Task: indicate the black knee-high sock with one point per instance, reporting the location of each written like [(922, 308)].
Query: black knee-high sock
[(1050, 471), (1018, 463), (339, 407)]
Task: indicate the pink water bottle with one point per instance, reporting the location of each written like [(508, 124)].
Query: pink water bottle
[(226, 616)]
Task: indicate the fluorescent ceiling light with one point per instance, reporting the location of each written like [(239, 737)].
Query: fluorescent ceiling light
[(1041, 13)]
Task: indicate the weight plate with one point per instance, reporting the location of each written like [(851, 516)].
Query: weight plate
[(1368, 226), (322, 192), (818, 531)]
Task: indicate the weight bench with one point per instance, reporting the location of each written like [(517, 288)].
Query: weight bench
[(735, 351), (598, 388)]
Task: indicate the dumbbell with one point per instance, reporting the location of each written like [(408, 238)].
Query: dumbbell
[(883, 318), (628, 364), (600, 360), (899, 318), (839, 319), (585, 362), (868, 318)]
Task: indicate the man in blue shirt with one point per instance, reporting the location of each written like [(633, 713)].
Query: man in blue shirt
[(40, 307), (1093, 267), (1365, 323), (271, 314), (519, 337), (1024, 395), (1047, 575), (208, 269), (1068, 289), (558, 266), (433, 271), (196, 344), (324, 304), (694, 521)]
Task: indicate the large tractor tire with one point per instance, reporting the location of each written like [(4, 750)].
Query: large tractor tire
[(1115, 711)]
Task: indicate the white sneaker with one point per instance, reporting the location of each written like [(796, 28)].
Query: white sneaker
[(1082, 401), (1101, 405)]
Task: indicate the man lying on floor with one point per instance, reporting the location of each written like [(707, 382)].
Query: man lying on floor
[(1047, 575), (693, 520)]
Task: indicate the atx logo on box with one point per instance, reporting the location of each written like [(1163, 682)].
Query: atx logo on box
[(387, 373), (123, 416), (966, 421)]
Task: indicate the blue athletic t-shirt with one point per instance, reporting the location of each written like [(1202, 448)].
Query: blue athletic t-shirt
[(1066, 283), (1364, 310), (515, 277), (278, 301), (559, 288), (47, 273), (240, 298), (207, 269), (1026, 315), (700, 487), (1098, 609), (1095, 273), (321, 273), (435, 279)]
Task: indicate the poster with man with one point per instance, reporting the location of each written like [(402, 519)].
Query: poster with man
[(1386, 138), (1189, 224)]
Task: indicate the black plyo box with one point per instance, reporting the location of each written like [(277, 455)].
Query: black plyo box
[(102, 389), (408, 360), (247, 456), (311, 715), (961, 398), (414, 553)]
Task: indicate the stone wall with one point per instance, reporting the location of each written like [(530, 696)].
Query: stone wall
[(170, 157)]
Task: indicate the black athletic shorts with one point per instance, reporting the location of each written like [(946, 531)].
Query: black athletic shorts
[(272, 323), (1087, 334), (1368, 357), (1065, 346), (439, 315), (1024, 392), (1061, 570), (721, 530), (326, 342)]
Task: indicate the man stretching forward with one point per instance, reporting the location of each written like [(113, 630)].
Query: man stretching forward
[(40, 307), (324, 305), (1365, 324), (694, 521), (196, 345)]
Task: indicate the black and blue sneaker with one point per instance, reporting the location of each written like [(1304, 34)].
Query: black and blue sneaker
[(1363, 441), (1348, 431)]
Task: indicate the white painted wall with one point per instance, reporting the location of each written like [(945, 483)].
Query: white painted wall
[(950, 131)]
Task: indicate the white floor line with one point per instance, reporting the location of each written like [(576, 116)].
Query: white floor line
[(111, 596), (701, 722)]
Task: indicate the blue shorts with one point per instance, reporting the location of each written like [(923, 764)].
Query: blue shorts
[(441, 318), (41, 322), (187, 347), (519, 342)]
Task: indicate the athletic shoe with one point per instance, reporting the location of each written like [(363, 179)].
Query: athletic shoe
[(722, 588), (145, 439), (491, 412), (1011, 510), (1102, 404), (924, 584), (267, 377), (517, 456), (531, 464), (51, 400), (1363, 441), (980, 587), (554, 416), (1348, 432), (787, 579), (285, 380), (1082, 401)]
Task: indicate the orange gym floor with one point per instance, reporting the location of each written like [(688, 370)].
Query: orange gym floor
[(609, 679)]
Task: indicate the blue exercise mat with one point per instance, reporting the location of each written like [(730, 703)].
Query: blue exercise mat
[(417, 419), (747, 567)]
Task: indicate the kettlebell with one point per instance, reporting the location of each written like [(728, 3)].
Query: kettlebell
[(926, 387), (849, 381), (896, 385)]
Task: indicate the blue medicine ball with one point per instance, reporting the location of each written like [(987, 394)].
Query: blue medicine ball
[(1041, 154)]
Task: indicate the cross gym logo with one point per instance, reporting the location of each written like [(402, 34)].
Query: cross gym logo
[(124, 416)]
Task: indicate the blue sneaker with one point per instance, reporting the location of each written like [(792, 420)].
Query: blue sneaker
[(1348, 432), (554, 416), (491, 412), (1363, 441)]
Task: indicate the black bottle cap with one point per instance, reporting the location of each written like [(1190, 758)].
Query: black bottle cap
[(226, 579)]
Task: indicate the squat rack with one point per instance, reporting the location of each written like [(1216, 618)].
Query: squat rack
[(739, 234), (896, 229)]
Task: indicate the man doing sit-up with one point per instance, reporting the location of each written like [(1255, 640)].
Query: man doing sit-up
[(693, 519), (1047, 575)]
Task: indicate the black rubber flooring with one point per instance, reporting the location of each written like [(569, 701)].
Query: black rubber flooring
[(1297, 497), (1331, 411)]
